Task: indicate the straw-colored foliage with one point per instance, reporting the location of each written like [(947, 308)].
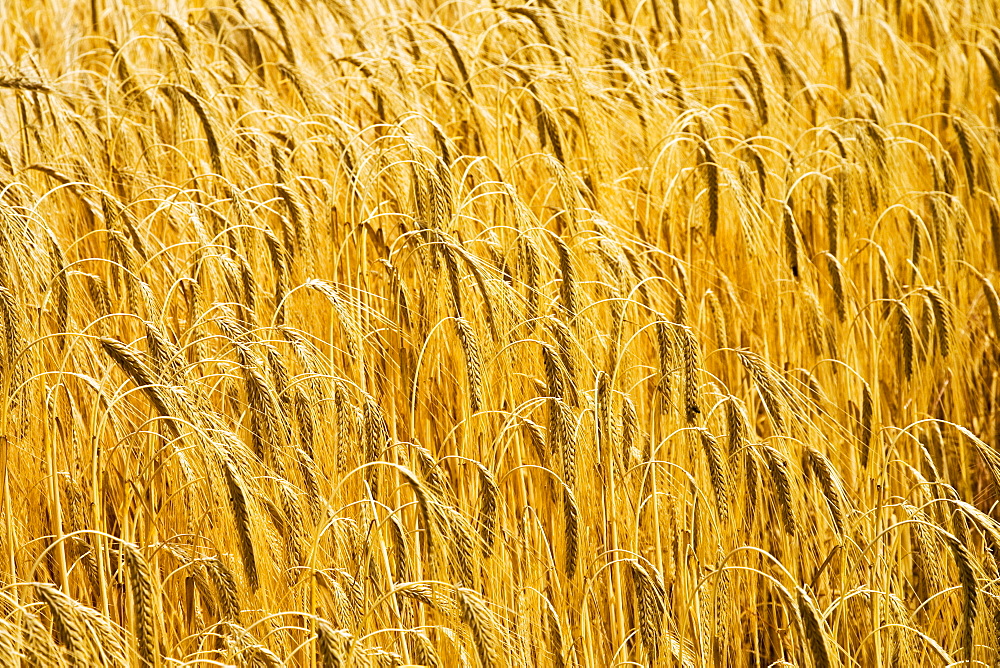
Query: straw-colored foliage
[(564, 333)]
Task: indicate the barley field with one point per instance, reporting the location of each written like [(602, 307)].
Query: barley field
[(567, 333)]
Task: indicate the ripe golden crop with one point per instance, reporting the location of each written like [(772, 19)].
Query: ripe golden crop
[(634, 333)]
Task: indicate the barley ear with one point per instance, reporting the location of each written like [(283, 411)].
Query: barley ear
[(712, 186), (766, 386), (241, 516), (470, 346), (480, 621), (571, 513), (845, 49), (814, 628), (791, 238), (689, 350), (718, 472), (830, 484), (777, 464), (141, 586), (906, 336), (865, 435), (651, 603), (488, 495), (970, 590)]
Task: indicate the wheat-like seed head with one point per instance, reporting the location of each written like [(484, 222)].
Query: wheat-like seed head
[(488, 500), (791, 237), (906, 336), (67, 626), (689, 352), (332, 645), (480, 620), (473, 368), (777, 465), (970, 590), (760, 99), (766, 386), (141, 587), (650, 597), (943, 320), (814, 628), (832, 217), (825, 473), (719, 472), (571, 516), (241, 516), (837, 283), (11, 326)]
